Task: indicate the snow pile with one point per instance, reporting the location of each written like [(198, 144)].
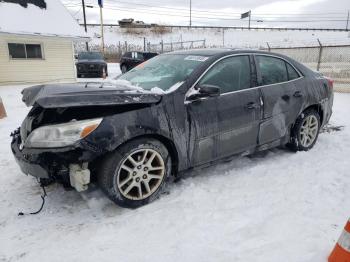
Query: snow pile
[(55, 20), (274, 206)]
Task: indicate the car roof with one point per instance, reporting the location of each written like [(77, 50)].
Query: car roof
[(203, 51), (221, 51)]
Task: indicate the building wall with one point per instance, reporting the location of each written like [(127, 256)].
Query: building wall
[(57, 64)]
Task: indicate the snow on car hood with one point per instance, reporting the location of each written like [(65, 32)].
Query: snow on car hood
[(86, 94)]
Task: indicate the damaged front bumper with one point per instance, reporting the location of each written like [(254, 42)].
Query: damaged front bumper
[(56, 164)]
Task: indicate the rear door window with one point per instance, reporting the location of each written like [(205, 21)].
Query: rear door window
[(273, 70), (127, 55), (292, 73)]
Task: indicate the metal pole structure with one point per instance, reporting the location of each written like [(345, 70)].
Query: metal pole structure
[(319, 55), (268, 46), (102, 36), (347, 22), (87, 44), (190, 13), (223, 37), (250, 14)]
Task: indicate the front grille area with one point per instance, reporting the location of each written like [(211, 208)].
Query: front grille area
[(90, 67)]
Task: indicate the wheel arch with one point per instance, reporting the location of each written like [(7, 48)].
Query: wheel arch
[(318, 108), (167, 142)]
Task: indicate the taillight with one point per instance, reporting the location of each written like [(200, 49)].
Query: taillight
[(330, 82)]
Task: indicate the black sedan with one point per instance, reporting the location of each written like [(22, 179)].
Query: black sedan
[(91, 64), (131, 59), (177, 111)]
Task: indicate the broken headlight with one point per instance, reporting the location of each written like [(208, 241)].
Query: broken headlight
[(61, 135)]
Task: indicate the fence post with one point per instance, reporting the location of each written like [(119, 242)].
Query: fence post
[(149, 46), (144, 44), (268, 46), (223, 37), (204, 43), (319, 55), (161, 46), (126, 46), (171, 46)]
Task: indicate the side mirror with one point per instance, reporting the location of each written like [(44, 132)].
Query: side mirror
[(209, 90), (205, 91)]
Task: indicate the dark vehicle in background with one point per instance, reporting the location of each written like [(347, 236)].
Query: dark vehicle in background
[(179, 111), (131, 59), (91, 64)]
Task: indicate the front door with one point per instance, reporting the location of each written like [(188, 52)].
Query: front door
[(229, 123)]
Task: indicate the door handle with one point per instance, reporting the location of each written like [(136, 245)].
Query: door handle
[(298, 94), (251, 105)]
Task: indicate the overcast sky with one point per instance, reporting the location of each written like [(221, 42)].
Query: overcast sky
[(285, 13)]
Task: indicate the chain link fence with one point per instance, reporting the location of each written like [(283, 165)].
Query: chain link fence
[(332, 61), (113, 52), (172, 46)]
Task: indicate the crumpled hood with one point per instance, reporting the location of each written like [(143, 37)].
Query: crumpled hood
[(85, 94)]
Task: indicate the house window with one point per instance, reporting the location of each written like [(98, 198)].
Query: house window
[(25, 51)]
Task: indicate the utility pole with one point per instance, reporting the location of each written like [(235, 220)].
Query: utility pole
[(87, 44), (250, 15), (190, 13), (347, 22), (100, 3)]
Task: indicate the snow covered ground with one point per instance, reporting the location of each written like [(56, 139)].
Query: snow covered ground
[(216, 37), (276, 206)]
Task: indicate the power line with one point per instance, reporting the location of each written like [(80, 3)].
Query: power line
[(215, 12), (146, 11)]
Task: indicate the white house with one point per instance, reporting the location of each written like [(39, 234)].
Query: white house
[(36, 42)]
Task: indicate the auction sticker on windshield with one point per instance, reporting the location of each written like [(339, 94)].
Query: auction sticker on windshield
[(196, 58)]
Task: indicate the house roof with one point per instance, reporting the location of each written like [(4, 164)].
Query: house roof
[(35, 19)]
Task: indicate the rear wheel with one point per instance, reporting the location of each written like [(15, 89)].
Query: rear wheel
[(135, 174), (305, 131)]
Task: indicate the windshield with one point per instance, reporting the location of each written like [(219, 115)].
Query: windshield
[(90, 56), (162, 73)]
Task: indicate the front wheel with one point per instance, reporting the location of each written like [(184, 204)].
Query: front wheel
[(305, 131), (135, 174)]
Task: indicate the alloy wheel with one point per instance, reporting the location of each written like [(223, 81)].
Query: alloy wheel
[(140, 174), (308, 131)]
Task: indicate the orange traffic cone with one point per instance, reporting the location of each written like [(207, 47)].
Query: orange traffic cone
[(2, 110), (341, 251)]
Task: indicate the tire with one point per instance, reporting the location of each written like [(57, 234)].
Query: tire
[(124, 69), (305, 131), (121, 180)]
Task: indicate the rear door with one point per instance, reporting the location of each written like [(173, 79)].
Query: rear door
[(282, 96)]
